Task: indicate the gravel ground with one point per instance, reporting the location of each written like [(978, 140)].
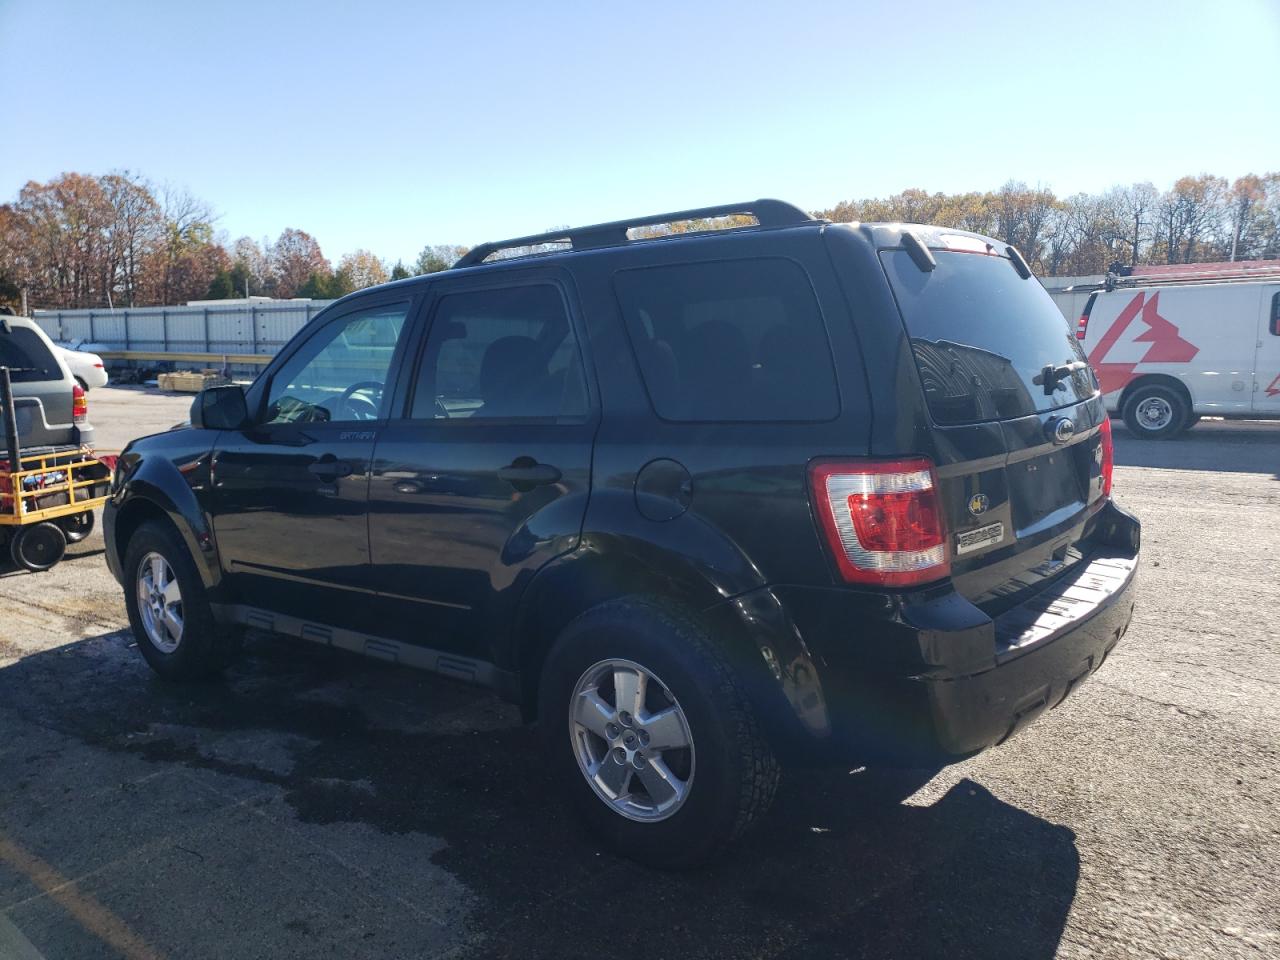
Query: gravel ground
[(315, 804), (119, 414)]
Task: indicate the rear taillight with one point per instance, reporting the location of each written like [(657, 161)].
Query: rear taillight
[(1108, 456), (98, 366), (79, 405), (882, 521), (1082, 326)]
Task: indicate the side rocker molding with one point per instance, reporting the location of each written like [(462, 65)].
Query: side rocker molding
[(458, 667)]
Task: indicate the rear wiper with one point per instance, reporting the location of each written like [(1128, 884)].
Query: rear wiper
[(1051, 376)]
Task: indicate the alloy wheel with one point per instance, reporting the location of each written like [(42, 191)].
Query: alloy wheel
[(631, 740), (159, 603)]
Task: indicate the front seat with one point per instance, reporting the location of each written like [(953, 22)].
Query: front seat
[(510, 373)]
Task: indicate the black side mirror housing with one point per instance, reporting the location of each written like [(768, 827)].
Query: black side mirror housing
[(220, 408)]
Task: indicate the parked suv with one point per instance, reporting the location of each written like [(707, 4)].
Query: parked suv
[(700, 503), (51, 408)]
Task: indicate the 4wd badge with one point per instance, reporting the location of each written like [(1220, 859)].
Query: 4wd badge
[(978, 504)]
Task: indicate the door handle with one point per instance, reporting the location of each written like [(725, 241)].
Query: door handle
[(329, 468), (525, 473)]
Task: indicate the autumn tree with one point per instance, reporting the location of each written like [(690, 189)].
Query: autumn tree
[(1022, 218), (362, 269), (435, 258), (293, 258)]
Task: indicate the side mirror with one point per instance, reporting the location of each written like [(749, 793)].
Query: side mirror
[(219, 408)]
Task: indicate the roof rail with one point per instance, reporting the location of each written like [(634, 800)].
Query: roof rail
[(768, 213)]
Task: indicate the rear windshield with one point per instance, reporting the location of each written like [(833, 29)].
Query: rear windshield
[(26, 356), (982, 336), (730, 340)]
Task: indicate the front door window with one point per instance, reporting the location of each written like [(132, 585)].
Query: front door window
[(340, 375)]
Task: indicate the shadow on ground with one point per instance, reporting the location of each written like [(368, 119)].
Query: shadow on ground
[(839, 868), (1228, 446)]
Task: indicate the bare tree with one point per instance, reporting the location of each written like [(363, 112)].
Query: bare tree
[(1135, 207), (250, 267), (1247, 214), (135, 232)]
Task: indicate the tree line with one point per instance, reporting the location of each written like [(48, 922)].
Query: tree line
[(118, 240), (1199, 219)]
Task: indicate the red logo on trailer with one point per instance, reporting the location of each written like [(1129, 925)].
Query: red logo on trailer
[(1167, 345), (1273, 388)]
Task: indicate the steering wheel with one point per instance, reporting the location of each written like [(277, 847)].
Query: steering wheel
[(366, 409)]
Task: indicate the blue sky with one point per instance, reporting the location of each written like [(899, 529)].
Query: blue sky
[(392, 125)]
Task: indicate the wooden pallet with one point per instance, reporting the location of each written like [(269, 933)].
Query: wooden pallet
[(191, 381)]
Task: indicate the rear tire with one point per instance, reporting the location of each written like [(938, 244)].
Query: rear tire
[(38, 547), (708, 792), (1156, 412), (168, 611), (77, 527)]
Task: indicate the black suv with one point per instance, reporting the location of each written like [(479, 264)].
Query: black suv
[(699, 502)]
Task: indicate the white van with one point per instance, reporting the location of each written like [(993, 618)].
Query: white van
[(1169, 351)]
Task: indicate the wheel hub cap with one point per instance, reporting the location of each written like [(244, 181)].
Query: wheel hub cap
[(631, 740), (1155, 413)]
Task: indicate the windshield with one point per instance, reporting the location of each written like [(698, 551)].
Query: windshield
[(982, 337)]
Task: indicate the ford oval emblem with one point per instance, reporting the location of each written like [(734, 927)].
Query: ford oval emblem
[(1063, 430), (978, 504)]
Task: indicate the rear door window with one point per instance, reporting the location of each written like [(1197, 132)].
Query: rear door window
[(26, 356), (730, 340), (982, 336)]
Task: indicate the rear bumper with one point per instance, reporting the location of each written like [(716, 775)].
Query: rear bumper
[(932, 679), (1049, 656)]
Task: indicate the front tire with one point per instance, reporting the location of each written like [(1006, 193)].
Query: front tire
[(1156, 413), (652, 734), (171, 619)]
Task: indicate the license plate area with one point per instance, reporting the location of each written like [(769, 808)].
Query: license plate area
[(1047, 485)]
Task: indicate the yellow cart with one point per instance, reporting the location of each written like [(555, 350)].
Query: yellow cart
[(47, 498)]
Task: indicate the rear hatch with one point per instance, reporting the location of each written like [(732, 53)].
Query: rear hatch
[(42, 389), (1017, 420)]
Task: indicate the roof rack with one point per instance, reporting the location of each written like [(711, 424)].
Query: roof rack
[(1114, 281), (768, 213)]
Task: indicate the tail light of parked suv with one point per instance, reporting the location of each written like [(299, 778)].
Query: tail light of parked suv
[(79, 405), (1108, 456), (882, 521), (1082, 327)]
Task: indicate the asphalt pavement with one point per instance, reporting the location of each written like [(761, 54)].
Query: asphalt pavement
[(315, 804)]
